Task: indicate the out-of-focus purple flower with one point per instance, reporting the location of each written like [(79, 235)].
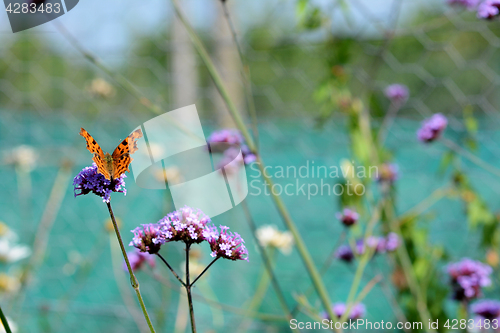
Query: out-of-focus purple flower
[(90, 180), (376, 243), (397, 93), (487, 309), (234, 139), (388, 173), (344, 253), (488, 9), (226, 244), (227, 135), (468, 277), (186, 224), (432, 128), (148, 238), (137, 258), (348, 217), (392, 242), (469, 4), (357, 311)]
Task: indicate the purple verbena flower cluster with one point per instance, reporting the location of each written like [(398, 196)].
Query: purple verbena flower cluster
[(191, 227), (90, 180), (233, 138), (468, 277), (348, 217), (385, 244), (432, 128), (226, 244), (487, 309), (357, 311), (397, 93), (137, 258), (186, 224)]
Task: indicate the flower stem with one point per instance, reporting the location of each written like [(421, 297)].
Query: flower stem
[(171, 269), (280, 205), (5, 323), (188, 290), (206, 269), (133, 279), (267, 263)]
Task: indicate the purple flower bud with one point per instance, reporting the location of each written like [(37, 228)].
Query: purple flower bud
[(357, 311), (138, 258), (388, 173), (468, 277), (397, 93), (392, 242), (489, 9), (90, 180), (234, 139), (344, 253), (376, 243), (348, 217), (487, 309), (432, 128)]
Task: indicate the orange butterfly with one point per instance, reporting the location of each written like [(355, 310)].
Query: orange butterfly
[(113, 165)]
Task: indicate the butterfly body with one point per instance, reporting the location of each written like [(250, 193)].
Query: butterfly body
[(112, 166)]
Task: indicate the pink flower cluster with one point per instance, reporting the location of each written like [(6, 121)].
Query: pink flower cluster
[(191, 227), (468, 277)]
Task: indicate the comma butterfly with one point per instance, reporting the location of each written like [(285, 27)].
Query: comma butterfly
[(116, 164)]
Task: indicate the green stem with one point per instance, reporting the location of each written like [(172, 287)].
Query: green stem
[(301, 247), (267, 263), (133, 280), (408, 270), (215, 77), (299, 243), (188, 291), (365, 258), (245, 73), (5, 323)]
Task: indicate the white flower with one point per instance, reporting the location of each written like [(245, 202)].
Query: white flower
[(10, 252), (23, 156), (269, 235), (100, 88)]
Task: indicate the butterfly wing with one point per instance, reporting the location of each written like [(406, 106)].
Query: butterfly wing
[(96, 150), (121, 155)]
